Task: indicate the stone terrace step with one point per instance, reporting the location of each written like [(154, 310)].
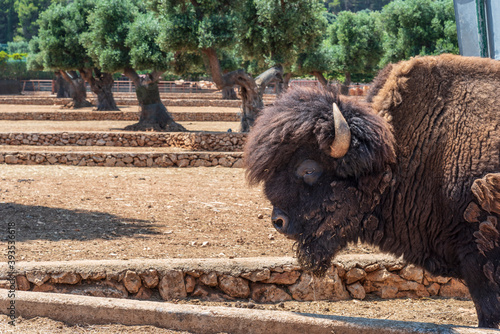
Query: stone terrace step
[(13, 99), (265, 280), (116, 157), (74, 115), (198, 141)]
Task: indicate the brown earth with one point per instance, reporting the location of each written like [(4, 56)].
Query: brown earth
[(71, 213)]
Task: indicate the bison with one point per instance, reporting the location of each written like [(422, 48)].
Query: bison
[(416, 172)]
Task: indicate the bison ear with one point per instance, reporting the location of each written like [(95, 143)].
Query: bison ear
[(342, 140)]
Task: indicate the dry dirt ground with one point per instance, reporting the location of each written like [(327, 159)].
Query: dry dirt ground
[(70, 213)]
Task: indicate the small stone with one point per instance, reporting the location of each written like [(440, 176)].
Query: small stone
[(354, 275), (257, 275), (143, 293), (260, 216), (271, 237), (286, 278), (38, 278), (388, 292), (132, 281), (65, 278), (412, 273), (10, 159), (172, 285), (209, 279), (22, 283), (454, 288), (268, 293), (150, 278), (357, 291), (190, 283), (433, 289), (234, 286)]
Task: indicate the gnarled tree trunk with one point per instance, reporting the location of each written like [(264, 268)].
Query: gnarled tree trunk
[(322, 80), (251, 89), (61, 86), (154, 116), (101, 85), (77, 90), (228, 93)]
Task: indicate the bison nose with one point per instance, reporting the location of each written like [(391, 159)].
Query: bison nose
[(280, 220)]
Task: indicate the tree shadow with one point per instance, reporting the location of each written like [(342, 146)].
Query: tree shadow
[(54, 224)]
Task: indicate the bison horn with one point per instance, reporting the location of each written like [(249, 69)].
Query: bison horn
[(342, 140)]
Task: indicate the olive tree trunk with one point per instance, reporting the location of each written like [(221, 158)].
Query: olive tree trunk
[(228, 93), (101, 85), (319, 76), (61, 86), (153, 114), (251, 90), (77, 90)]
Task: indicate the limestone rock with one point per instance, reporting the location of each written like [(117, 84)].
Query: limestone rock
[(357, 291), (132, 281), (190, 283), (454, 288), (37, 277), (172, 285), (328, 287), (22, 283), (287, 278), (65, 278), (236, 287), (150, 278), (209, 279), (268, 293), (354, 275), (143, 293), (412, 273), (257, 275)]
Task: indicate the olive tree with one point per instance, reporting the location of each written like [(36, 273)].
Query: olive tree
[(121, 38), (268, 31), (418, 27), (61, 29), (356, 43)]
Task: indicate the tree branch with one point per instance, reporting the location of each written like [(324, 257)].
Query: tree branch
[(132, 75)]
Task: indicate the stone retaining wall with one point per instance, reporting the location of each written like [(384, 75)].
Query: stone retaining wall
[(130, 102), (272, 281), (198, 141), (184, 159), (68, 115)]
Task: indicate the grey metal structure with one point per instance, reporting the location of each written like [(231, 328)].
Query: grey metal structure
[(478, 27)]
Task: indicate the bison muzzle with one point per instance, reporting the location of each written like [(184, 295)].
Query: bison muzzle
[(416, 172)]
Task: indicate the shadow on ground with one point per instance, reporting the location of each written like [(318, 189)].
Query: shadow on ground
[(54, 224)]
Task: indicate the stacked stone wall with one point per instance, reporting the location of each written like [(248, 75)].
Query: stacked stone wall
[(266, 284), (184, 159), (198, 141), (68, 115)]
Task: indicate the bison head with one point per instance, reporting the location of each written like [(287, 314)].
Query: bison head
[(324, 163)]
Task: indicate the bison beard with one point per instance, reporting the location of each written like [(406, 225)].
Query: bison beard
[(417, 174)]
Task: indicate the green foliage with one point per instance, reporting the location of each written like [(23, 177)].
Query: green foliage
[(418, 27), (8, 21), (356, 42), (275, 32), (194, 25), (109, 25), (61, 27), (336, 6), (122, 35), (13, 67), (18, 47), (144, 52), (27, 13)]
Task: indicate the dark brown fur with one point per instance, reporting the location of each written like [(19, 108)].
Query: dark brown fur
[(405, 183)]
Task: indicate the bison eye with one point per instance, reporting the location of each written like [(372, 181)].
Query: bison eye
[(309, 171)]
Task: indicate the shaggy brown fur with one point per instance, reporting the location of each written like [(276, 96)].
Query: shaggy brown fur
[(405, 183)]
